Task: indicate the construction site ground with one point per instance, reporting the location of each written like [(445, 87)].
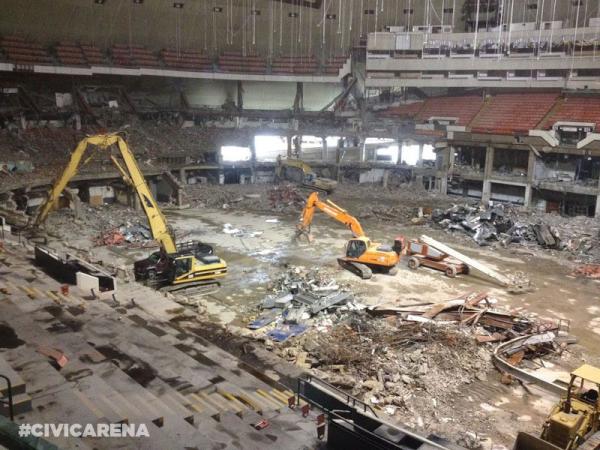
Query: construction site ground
[(266, 246)]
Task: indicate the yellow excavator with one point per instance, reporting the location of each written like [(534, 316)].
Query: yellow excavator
[(574, 423), (362, 255), (174, 266), (297, 171)]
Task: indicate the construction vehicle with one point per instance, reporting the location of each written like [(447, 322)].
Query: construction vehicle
[(297, 171), (174, 266), (362, 255), (421, 254), (574, 423)]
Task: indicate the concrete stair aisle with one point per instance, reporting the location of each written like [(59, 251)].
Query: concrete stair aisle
[(193, 377), (106, 404)]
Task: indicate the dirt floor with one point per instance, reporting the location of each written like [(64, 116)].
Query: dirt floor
[(266, 247)]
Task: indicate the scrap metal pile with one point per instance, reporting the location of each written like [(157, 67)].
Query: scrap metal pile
[(476, 312), (133, 234), (504, 224), (302, 299)]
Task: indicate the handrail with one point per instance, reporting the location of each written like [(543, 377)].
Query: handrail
[(310, 378), (377, 438), (10, 398)]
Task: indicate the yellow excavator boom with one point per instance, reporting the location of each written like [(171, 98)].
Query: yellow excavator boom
[(332, 210), (131, 174)]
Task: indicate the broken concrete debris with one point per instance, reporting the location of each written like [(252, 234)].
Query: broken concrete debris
[(506, 224), (126, 233), (303, 298)]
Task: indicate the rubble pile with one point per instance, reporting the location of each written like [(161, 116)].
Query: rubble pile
[(302, 299), (260, 198), (411, 371), (506, 225), (475, 310), (136, 234), (101, 223)]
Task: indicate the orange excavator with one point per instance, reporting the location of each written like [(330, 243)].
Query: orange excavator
[(362, 255)]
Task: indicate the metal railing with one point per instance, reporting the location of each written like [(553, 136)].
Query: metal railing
[(8, 402), (349, 399)]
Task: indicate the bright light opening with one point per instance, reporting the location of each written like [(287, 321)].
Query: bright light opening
[(410, 154), (311, 142), (235, 153), (268, 148), (332, 141), (387, 154), (428, 153), (373, 140)]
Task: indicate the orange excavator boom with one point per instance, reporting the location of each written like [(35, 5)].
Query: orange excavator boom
[(332, 210)]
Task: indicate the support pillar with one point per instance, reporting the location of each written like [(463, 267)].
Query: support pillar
[(487, 175), (240, 95), (420, 159), (527, 200), (486, 195), (182, 176), (252, 162), (386, 177), (324, 151), (530, 179), (597, 212), (400, 146), (289, 146)]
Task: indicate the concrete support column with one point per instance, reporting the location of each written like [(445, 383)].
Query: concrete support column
[(597, 212), (420, 159), (530, 179), (528, 192), (386, 177), (182, 176), (324, 151), (363, 151), (400, 145), (487, 191), (252, 162), (134, 200), (444, 184), (289, 146), (451, 156), (489, 162), (487, 174)]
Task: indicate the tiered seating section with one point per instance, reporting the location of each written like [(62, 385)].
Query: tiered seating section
[(333, 65), (502, 113), (237, 62), (93, 54), (298, 65), (70, 54), (513, 113), (186, 60), (133, 56), (20, 51), (464, 108), (576, 109)]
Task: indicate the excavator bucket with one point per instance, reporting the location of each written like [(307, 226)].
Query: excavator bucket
[(526, 441)]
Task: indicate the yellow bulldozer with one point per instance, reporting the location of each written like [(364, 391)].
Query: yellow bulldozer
[(574, 423)]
